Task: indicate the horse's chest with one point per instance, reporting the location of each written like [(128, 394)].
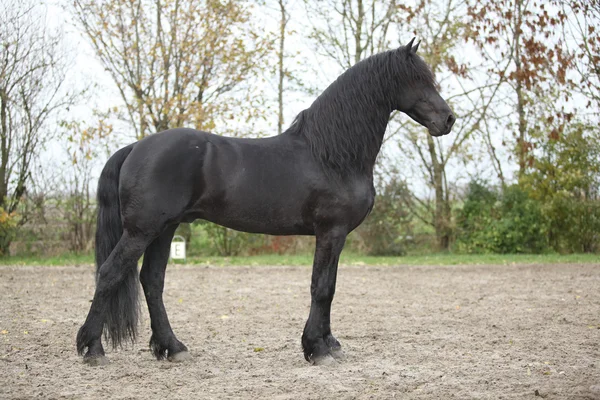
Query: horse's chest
[(347, 206), (363, 207)]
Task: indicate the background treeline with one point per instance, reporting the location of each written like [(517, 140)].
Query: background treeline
[(520, 172)]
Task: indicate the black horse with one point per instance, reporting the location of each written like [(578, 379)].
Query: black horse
[(314, 179)]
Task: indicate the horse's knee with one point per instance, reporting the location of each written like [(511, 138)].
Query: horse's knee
[(323, 293)]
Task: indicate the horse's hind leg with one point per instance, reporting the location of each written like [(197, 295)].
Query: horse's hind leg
[(320, 347), (112, 275), (163, 342)]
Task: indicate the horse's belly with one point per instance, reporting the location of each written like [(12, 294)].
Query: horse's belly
[(250, 213)]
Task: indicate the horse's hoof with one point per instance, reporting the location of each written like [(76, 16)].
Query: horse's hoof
[(338, 354), (180, 357), (323, 360), (95, 361)]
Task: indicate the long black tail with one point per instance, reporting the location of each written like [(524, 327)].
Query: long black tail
[(123, 307)]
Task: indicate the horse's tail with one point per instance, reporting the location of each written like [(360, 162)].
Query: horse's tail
[(122, 308)]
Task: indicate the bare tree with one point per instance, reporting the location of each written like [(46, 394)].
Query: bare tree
[(347, 31), (174, 62), (32, 79)]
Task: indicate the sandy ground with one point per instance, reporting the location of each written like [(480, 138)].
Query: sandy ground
[(466, 332)]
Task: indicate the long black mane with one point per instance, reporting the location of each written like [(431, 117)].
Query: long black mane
[(345, 125)]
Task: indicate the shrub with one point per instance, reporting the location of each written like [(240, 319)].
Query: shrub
[(565, 177), (574, 224), (521, 228), (8, 229), (491, 222), (474, 220), (229, 242)]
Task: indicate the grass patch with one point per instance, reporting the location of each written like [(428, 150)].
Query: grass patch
[(63, 259), (432, 259), (472, 259), (346, 259)]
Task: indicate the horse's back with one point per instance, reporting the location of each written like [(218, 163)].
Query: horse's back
[(247, 184), (256, 185), (271, 185)]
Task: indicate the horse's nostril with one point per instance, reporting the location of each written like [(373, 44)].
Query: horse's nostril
[(450, 120)]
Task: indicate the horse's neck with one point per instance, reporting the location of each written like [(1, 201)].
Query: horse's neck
[(368, 123), (345, 125)]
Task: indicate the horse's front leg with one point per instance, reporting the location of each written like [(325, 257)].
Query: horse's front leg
[(320, 347)]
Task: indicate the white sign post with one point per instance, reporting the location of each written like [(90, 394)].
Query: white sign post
[(178, 248)]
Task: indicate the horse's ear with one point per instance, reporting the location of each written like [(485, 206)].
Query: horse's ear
[(409, 45), (415, 48)]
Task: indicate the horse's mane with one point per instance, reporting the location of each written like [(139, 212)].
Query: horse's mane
[(344, 126)]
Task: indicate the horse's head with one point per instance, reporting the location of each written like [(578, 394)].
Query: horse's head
[(418, 96)]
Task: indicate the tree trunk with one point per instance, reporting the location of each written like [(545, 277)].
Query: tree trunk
[(522, 146), (442, 207), (358, 49), (3, 147), (5, 233), (281, 71)]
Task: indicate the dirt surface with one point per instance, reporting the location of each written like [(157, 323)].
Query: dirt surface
[(464, 332)]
